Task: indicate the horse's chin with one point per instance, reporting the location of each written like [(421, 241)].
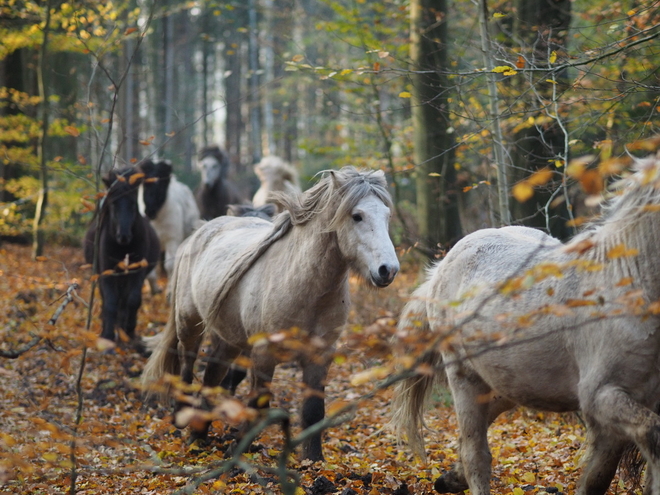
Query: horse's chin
[(380, 284)]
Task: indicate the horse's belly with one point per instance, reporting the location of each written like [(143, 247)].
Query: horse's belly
[(543, 381)]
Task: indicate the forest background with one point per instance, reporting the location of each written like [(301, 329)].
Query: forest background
[(481, 113)]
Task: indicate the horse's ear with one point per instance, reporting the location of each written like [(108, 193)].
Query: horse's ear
[(269, 209), (147, 166), (109, 179), (164, 168)]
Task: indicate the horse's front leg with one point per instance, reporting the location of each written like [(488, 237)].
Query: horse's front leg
[(313, 406), (110, 306), (133, 303)]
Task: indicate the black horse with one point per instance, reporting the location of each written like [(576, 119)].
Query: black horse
[(215, 192), (128, 249)]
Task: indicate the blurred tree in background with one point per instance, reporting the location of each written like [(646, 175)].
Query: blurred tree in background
[(326, 83)]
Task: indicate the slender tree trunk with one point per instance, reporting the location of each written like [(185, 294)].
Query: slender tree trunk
[(254, 95), (269, 73), (233, 81), (541, 27), (495, 125), (437, 205), (42, 202), (168, 44)]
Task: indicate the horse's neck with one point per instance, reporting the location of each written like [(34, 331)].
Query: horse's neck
[(317, 256)]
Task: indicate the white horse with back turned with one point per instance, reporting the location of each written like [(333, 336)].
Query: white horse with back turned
[(513, 317), (239, 276)]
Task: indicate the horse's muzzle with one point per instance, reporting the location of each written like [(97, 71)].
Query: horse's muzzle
[(124, 240), (385, 275)]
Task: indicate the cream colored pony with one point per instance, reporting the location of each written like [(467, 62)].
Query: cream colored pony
[(236, 277), (275, 175), (513, 317)]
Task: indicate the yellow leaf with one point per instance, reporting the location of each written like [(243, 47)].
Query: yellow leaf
[(510, 73), (502, 68), (522, 191), (135, 177), (404, 94), (434, 174), (375, 373), (335, 407), (550, 81), (540, 177), (553, 57), (72, 131), (345, 72), (518, 491), (298, 58), (498, 15), (621, 251), (529, 477), (624, 281)]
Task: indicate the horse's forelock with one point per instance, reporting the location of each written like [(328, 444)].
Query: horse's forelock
[(337, 192)]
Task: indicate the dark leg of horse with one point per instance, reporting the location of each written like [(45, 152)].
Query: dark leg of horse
[(601, 461), (133, 303), (313, 406), (453, 481), (217, 366), (110, 301), (233, 378)]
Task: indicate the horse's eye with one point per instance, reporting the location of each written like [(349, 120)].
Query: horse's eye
[(357, 217)]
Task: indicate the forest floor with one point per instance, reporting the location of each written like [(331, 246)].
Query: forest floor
[(124, 445)]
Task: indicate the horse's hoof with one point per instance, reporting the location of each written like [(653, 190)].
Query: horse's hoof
[(450, 483), (198, 439)]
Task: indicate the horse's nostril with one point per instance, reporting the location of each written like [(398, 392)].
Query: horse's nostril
[(384, 271)]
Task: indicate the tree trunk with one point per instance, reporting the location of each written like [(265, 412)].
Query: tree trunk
[(542, 28), (42, 201), (233, 89), (255, 92), (437, 205)]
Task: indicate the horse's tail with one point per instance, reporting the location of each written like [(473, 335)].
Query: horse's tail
[(411, 395), (164, 359)]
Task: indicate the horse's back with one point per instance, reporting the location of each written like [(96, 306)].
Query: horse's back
[(489, 256), (209, 253)]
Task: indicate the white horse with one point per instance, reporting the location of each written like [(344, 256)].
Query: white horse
[(275, 175), (513, 317), (169, 205), (240, 276)]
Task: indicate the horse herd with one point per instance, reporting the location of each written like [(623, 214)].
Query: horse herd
[(509, 317)]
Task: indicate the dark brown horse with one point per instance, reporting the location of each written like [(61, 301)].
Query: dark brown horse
[(126, 251), (215, 193)]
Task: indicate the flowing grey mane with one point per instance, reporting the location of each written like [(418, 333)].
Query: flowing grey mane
[(336, 191)]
